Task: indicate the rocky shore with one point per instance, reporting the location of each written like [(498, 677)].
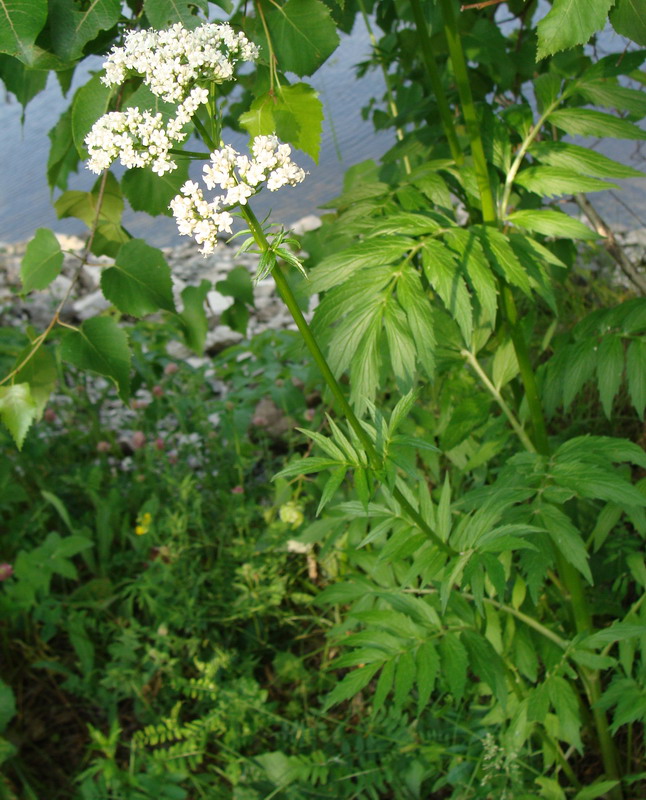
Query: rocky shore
[(188, 267)]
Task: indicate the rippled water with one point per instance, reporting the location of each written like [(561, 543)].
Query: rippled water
[(347, 139)]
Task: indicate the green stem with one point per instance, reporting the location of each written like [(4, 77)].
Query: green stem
[(443, 107), (392, 105), (461, 73), (515, 424), (290, 301)]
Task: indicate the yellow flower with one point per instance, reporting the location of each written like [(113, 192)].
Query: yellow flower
[(140, 530), (143, 523)]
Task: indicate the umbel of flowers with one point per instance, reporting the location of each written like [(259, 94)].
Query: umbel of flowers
[(177, 65)]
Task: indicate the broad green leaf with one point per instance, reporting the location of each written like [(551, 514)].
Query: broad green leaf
[(237, 284), (63, 155), (42, 261), (502, 257), (90, 102), (20, 23), (140, 281), (192, 318), (636, 374), (610, 368), (570, 22), (583, 159), (152, 193), (550, 222), (351, 685), (303, 35), (108, 239), (547, 88), (294, 114), (72, 26), (417, 307), (586, 122), (18, 409), (566, 537), (454, 664), (337, 268), (40, 373), (100, 346), (555, 181), (628, 18), (164, 13), (85, 205), (443, 273), (7, 706), (22, 81)]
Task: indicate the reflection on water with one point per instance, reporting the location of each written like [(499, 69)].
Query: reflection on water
[(347, 139)]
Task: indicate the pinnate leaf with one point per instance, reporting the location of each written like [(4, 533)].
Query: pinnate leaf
[(610, 367), (586, 122), (582, 159), (636, 374), (42, 261), (550, 222), (140, 281), (101, 346)]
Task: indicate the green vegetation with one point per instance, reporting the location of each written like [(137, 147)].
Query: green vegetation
[(429, 581)]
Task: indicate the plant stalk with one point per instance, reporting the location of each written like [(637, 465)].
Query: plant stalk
[(461, 73), (290, 301), (443, 107)]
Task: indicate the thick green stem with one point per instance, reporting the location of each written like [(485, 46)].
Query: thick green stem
[(290, 301), (425, 48), (461, 73)]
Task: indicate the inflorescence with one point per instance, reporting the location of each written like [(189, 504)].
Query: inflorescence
[(240, 177), (175, 65)]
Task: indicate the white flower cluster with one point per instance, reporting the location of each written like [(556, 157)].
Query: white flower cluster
[(172, 60), (241, 177)]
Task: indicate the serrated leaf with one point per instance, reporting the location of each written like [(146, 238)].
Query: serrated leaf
[(487, 664), (63, 156), (555, 181), (404, 678), (583, 159), (294, 114), (586, 122), (550, 222), (351, 685), (22, 81), (40, 373), (628, 19), (164, 13), (570, 22), (7, 706), (100, 346), (579, 369), (140, 281), (610, 94), (401, 345), (303, 35), (454, 664), (84, 205), (566, 704), (42, 261), (73, 26), (146, 191), (610, 368), (596, 789), (428, 664), (443, 273), (566, 537), (502, 258), (377, 252), (20, 23), (417, 308), (364, 368), (18, 410), (474, 261), (636, 374)]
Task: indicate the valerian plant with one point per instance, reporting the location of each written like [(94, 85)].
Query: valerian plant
[(484, 525)]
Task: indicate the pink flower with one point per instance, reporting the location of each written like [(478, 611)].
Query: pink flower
[(103, 447), (237, 490), (170, 369), (158, 391), (159, 443), (49, 415), (6, 571), (138, 440)]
